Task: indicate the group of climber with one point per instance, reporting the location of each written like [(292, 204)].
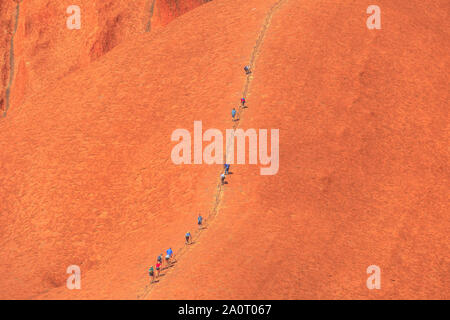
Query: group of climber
[(188, 238)]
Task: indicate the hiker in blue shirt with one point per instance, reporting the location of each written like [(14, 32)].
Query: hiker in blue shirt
[(169, 254), (188, 238), (247, 70), (227, 168)]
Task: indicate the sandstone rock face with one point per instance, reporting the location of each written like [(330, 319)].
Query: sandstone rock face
[(37, 49)]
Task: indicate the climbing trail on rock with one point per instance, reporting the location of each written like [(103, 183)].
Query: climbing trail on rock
[(219, 187), (11, 61)]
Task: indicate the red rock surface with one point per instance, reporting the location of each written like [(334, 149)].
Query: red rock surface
[(87, 177)]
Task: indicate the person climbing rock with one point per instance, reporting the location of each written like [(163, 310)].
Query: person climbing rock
[(158, 269), (151, 273), (199, 221), (233, 113), (188, 238), (227, 168), (222, 178), (247, 70), (167, 260), (243, 102)]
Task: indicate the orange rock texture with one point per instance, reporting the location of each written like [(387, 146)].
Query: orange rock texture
[(87, 179)]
